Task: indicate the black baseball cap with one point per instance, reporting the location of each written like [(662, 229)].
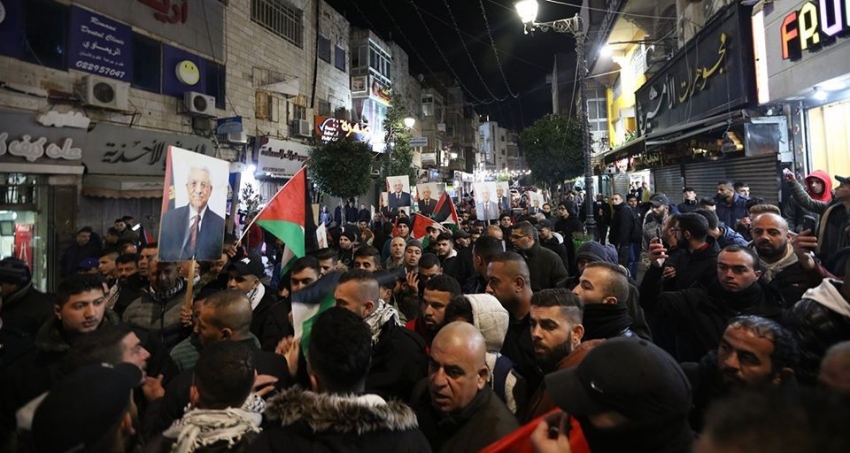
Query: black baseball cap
[(659, 199), (688, 189), (84, 406), (460, 234), (843, 179), (250, 265), (545, 223), (631, 376), (14, 271)]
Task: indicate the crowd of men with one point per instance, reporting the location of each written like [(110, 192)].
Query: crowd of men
[(507, 335)]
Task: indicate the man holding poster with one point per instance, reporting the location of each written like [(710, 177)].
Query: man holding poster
[(193, 231)]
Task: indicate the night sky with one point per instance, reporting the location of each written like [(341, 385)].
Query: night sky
[(516, 99)]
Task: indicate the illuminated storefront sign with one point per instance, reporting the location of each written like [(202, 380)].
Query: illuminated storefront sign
[(814, 25)]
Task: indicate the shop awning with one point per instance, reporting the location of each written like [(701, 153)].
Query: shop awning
[(687, 130), (112, 186), (625, 151)]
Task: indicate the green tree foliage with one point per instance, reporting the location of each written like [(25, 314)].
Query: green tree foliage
[(341, 168), (552, 147), (399, 155)]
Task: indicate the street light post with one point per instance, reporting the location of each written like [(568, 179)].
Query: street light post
[(527, 10)]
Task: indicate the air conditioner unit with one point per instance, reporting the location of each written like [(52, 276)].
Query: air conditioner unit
[(106, 93), (303, 128), (199, 104)]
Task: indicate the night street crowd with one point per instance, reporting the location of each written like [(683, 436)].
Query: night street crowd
[(682, 323)]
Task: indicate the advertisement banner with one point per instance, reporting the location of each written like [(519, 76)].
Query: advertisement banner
[(280, 158), (99, 45)]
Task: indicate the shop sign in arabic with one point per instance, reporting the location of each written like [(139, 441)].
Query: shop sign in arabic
[(333, 129), (281, 158), (99, 45), (116, 150), (32, 150), (712, 74)]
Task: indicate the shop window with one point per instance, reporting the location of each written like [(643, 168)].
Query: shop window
[(830, 138), (216, 75), (147, 63), (46, 31), (324, 50), (339, 58)]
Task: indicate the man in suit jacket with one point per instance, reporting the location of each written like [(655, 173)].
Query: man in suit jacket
[(193, 230), (502, 200), (399, 198), (427, 204), (486, 209)]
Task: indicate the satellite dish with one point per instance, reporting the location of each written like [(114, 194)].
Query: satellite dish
[(420, 77)]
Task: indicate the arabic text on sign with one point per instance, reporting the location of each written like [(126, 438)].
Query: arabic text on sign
[(33, 150)]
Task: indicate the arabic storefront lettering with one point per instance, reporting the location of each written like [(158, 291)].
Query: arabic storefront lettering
[(333, 129), (168, 13), (815, 24), (99, 45), (33, 150)]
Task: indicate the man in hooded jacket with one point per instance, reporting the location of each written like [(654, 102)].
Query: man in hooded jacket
[(818, 186)]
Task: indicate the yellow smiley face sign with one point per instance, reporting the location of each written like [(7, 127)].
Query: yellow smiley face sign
[(188, 73)]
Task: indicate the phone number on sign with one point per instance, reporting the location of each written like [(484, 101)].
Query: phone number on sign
[(96, 68)]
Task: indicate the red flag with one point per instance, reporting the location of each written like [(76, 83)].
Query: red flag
[(445, 211)]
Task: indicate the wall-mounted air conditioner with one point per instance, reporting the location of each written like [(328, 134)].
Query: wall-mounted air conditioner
[(199, 104), (105, 93)]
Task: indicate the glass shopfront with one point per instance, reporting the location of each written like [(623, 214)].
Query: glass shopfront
[(24, 222)]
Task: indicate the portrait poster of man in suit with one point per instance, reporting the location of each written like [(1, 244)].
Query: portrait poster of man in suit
[(503, 196), (429, 195), (399, 192), (193, 207), (486, 208)]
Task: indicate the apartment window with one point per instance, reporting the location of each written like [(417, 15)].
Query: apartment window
[(147, 63), (427, 105), (324, 49), (339, 58), (216, 83), (324, 108), (299, 112), (281, 18), (45, 25)]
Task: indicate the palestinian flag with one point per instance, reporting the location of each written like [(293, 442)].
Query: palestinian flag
[(309, 303), (419, 225), (445, 211), (289, 217)]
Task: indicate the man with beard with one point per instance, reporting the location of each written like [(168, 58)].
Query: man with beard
[(158, 311), (627, 395), (439, 291), (129, 285), (147, 257), (556, 333), (730, 205), (787, 269), (702, 312), (755, 353), (602, 286), (695, 257), (547, 269)]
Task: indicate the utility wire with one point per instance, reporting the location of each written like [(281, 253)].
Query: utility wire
[(443, 56), (495, 51)]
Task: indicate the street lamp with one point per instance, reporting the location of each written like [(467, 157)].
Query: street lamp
[(409, 122), (527, 11)]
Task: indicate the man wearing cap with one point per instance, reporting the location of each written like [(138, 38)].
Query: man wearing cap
[(24, 308), (158, 310), (627, 395), (244, 275), (654, 221), (689, 203), (754, 354), (461, 239), (84, 247), (456, 409), (78, 415), (551, 240)]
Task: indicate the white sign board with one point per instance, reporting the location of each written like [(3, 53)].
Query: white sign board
[(281, 158)]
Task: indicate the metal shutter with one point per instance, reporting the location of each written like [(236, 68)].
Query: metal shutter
[(668, 180), (761, 173)]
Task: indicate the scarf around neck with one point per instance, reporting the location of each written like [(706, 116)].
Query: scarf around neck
[(164, 296), (602, 321), (204, 427), (382, 314)]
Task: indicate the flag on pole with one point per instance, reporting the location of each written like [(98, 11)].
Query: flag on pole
[(445, 211), (309, 303), (289, 217)]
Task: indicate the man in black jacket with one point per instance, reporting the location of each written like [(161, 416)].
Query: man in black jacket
[(603, 289), (24, 308), (549, 240), (398, 354), (245, 275), (545, 266), (702, 312), (695, 259), (622, 229)]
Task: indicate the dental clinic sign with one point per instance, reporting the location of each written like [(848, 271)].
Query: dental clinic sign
[(814, 25)]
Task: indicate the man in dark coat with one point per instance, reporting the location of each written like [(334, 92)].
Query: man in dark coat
[(456, 409), (84, 247), (24, 307), (703, 311), (398, 354), (245, 275), (193, 231), (622, 229), (546, 268), (336, 414)]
